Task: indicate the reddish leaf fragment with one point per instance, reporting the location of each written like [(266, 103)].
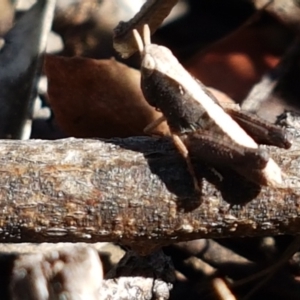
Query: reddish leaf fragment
[(234, 64), (98, 98)]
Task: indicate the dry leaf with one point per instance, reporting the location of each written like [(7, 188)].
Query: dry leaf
[(98, 98)]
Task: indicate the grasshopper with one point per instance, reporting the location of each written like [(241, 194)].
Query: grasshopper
[(200, 127)]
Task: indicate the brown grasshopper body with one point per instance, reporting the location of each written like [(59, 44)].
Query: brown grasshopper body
[(200, 126), (181, 112)]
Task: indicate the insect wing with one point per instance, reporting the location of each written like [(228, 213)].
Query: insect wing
[(260, 130)]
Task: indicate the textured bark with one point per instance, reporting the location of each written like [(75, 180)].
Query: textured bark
[(135, 191), (153, 12)]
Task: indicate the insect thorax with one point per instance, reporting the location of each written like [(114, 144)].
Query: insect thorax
[(183, 113)]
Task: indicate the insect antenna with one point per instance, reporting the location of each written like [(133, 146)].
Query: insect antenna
[(138, 40), (147, 35)]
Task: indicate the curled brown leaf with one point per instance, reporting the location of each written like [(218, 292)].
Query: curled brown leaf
[(98, 98)]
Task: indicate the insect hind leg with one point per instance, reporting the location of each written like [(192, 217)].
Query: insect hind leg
[(185, 153), (149, 128)]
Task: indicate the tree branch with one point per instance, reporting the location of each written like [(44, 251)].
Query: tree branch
[(136, 191)]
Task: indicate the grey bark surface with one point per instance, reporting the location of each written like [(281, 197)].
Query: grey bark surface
[(135, 191)]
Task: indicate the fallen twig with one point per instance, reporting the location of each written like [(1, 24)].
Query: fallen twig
[(153, 12), (135, 191)]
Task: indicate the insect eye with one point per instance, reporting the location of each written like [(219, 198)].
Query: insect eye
[(148, 63)]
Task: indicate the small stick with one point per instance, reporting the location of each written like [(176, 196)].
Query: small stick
[(263, 90), (129, 191), (222, 289), (271, 270)]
